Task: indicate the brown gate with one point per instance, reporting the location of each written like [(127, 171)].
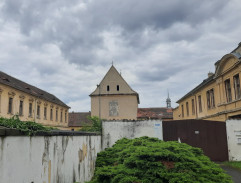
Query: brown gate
[(210, 136)]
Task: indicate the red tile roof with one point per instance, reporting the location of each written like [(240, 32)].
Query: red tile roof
[(155, 113), (79, 119)]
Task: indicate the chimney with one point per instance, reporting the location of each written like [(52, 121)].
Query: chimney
[(210, 74)]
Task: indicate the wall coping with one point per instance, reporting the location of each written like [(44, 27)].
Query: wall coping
[(14, 132)]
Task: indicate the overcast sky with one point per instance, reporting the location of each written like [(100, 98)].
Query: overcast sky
[(66, 47)]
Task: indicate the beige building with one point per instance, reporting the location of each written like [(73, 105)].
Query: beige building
[(30, 103), (113, 99), (218, 97)]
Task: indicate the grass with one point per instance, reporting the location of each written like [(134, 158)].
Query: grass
[(234, 164)]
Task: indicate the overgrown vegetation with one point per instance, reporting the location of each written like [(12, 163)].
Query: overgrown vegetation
[(234, 164), (27, 127), (145, 160), (96, 125)]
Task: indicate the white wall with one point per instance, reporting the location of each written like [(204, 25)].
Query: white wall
[(115, 130), (48, 159), (234, 139)]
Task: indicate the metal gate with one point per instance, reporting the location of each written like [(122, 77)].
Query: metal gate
[(210, 136)]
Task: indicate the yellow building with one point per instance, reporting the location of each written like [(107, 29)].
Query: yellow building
[(114, 99), (218, 97), (30, 103)]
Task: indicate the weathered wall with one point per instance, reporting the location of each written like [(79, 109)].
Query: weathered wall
[(234, 139), (115, 130), (48, 159)]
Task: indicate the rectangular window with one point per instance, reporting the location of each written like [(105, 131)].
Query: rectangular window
[(212, 102), (51, 114), (187, 108), (0, 103), (56, 115), (45, 112), (236, 83), (61, 116), (193, 107), (38, 111), (228, 90), (208, 99), (200, 103), (108, 88), (10, 105), (182, 112), (65, 117), (30, 107), (21, 108), (117, 87)]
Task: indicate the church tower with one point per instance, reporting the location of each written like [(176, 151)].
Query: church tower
[(168, 101)]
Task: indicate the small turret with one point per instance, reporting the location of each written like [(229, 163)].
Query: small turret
[(168, 101)]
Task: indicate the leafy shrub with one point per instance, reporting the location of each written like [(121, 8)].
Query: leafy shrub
[(28, 127), (145, 160), (96, 125)]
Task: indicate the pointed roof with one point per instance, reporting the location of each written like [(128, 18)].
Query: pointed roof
[(112, 79), (27, 88)]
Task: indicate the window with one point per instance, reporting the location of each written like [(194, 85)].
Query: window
[(65, 117), (10, 105), (38, 111), (21, 108), (56, 114), (228, 90), (117, 87), (200, 103), (0, 102), (236, 83), (51, 114), (182, 112), (210, 99), (187, 108), (30, 107), (61, 116), (212, 102), (108, 88), (45, 112), (193, 107)]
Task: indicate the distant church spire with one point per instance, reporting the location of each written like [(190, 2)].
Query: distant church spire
[(168, 101)]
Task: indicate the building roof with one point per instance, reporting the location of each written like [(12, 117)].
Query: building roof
[(155, 113), (79, 119), (204, 83), (27, 88), (113, 76), (236, 53)]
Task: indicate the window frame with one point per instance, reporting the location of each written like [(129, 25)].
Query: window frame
[(10, 105), (21, 108), (236, 86), (228, 90)]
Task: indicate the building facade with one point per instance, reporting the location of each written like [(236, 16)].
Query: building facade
[(218, 97), (30, 103), (113, 99)]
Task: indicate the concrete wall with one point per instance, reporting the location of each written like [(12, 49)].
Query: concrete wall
[(48, 159), (115, 130), (234, 139)]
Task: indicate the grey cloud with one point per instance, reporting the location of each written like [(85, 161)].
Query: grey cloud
[(77, 33)]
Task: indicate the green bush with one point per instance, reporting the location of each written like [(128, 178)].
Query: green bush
[(145, 160), (27, 127)]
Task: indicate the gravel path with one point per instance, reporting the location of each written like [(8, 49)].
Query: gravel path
[(234, 173)]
